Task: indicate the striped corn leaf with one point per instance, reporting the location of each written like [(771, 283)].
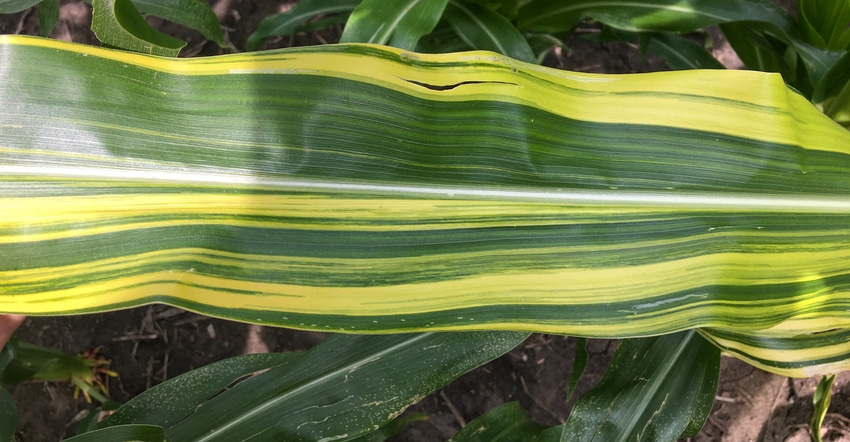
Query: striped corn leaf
[(366, 189)]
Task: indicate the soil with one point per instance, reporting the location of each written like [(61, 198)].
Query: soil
[(151, 344)]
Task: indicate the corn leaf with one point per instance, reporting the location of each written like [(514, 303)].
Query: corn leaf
[(825, 23), (118, 24), (292, 21), (345, 387), (367, 189), (483, 28), (643, 15), (48, 15), (8, 416), (505, 423), (401, 23), (821, 400), (13, 6), (194, 14), (669, 393), (133, 433)]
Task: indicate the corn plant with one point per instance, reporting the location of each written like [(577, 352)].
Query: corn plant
[(373, 190)]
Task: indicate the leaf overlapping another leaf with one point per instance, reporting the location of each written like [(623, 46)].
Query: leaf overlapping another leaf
[(367, 189)]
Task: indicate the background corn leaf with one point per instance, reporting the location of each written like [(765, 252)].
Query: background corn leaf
[(13, 6), (134, 433), (679, 53), (505, 423), (346, 386), (400, 23), (656, 389), (170, 402), (194, 14), (289, 22), (483, 28), (118, 24), (368, 189), (48, 15), (821, 400), (825, 23), (642, 15), (8, 416)]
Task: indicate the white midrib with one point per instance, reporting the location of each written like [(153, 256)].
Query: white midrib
[(272, 402), (663, 199)]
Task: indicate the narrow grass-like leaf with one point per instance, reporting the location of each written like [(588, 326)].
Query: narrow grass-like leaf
[(368, 189), (289, 22), (401, 23), (652, 391), (130, 433), (483, 28), (505, 423), (194, 14), (118, 24), (821, 400), (579, 364), (48, 15)]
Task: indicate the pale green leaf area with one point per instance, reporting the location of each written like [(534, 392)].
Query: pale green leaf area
[(656, 389), (347, 386), (118, 24)]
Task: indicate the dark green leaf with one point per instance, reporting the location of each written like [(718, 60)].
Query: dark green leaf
[(7, 354), (643, 15), (48, 15), (821, 400), (579, 364), (392, 428), (655, 389), (347, 385), (484, 28), (134, 433), (505, 423), (13, 6), (401, 23), (194, 14), (833, 82), (8, 416), (680, 53), (825, 23), (89, 423), (753, 47), (444, 39), (118, 24), (289, 22), (170, 402)]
